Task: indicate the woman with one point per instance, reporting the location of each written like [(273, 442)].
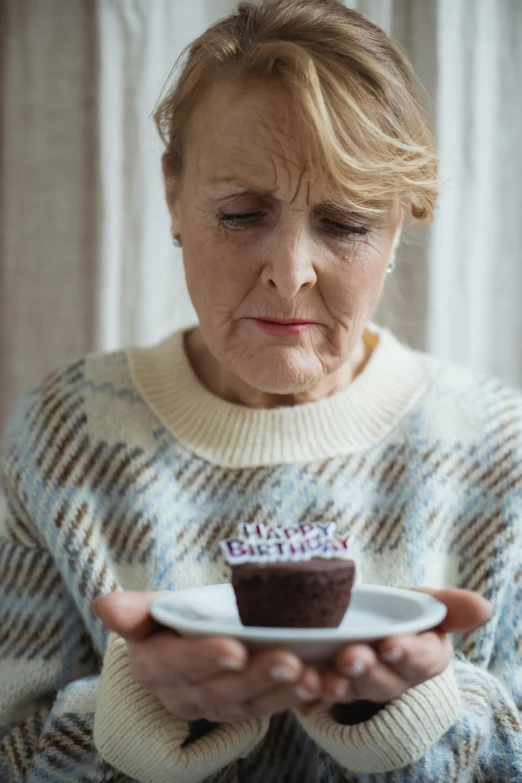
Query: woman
[(295, 150)]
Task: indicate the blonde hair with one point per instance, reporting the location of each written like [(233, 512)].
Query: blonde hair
[(354, 89)]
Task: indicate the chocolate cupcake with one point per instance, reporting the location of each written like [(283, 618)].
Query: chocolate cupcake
[(299, 577)]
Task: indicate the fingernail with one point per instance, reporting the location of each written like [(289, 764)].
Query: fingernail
[(282, 673), (355, 669), (231, 664), (304, 695), (393, 655), (126, 600)]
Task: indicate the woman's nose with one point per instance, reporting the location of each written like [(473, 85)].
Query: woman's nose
[(290, 266)]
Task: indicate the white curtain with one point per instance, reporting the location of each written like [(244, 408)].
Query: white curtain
[(142, 291), (475, 258), (86, 260)]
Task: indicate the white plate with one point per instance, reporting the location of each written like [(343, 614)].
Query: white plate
[(374, 613)]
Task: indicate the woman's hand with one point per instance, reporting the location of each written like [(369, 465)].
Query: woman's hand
[(214, 678), (400, 662), (217, 679)]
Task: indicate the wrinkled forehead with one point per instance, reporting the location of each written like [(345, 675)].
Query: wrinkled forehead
[(250, 133)]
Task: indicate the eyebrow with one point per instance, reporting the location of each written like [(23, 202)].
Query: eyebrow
[(250, 188)]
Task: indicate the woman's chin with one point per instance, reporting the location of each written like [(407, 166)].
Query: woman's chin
[(282, 381)]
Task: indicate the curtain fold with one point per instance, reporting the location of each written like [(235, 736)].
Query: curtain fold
[(143, 293), (86, 260), (48, 188), (475, 260), (404, 305)]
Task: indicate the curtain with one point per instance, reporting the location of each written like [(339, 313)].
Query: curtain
[(86, 260), (475, 258), (49, 218)]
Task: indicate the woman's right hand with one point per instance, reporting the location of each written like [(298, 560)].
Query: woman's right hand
[(214, 678)]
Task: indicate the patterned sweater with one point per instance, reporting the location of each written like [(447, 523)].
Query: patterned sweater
[(123, 471)]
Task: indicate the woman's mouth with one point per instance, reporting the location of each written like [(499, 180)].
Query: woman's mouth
[(283, 326)]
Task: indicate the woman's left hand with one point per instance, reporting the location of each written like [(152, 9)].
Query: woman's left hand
[(397, 663)]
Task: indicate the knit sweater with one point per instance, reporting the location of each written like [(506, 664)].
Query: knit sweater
[(122, 471)]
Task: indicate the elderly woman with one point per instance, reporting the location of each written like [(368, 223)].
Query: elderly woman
[(295, 149)]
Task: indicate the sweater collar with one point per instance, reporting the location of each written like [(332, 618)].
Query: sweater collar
[(231, 435)]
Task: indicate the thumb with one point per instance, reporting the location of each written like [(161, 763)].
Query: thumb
[(127, 613), (466, 608)]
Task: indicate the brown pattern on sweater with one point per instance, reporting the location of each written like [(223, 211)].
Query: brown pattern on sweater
[(20, 742)]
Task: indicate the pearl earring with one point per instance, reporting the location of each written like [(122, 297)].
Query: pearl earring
[(176, 240), (392, 265)]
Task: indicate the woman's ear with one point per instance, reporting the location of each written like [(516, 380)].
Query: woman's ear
[(171, 183)]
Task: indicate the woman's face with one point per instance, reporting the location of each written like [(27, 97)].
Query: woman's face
[(260, 243)]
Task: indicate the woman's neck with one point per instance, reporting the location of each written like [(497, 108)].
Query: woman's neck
[(227, 386)]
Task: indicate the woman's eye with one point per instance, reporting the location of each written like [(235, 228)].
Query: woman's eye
[(240, 220), (343, 230)]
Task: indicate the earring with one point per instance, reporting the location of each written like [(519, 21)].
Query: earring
[(391, 266), (176, 240)]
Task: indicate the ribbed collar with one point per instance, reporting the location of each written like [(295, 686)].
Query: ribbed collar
[(232, 435)]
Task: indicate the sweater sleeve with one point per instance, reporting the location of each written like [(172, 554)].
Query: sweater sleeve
[(138, 735), (49, 671), (69, 707), (398, 743), (466, 721)]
